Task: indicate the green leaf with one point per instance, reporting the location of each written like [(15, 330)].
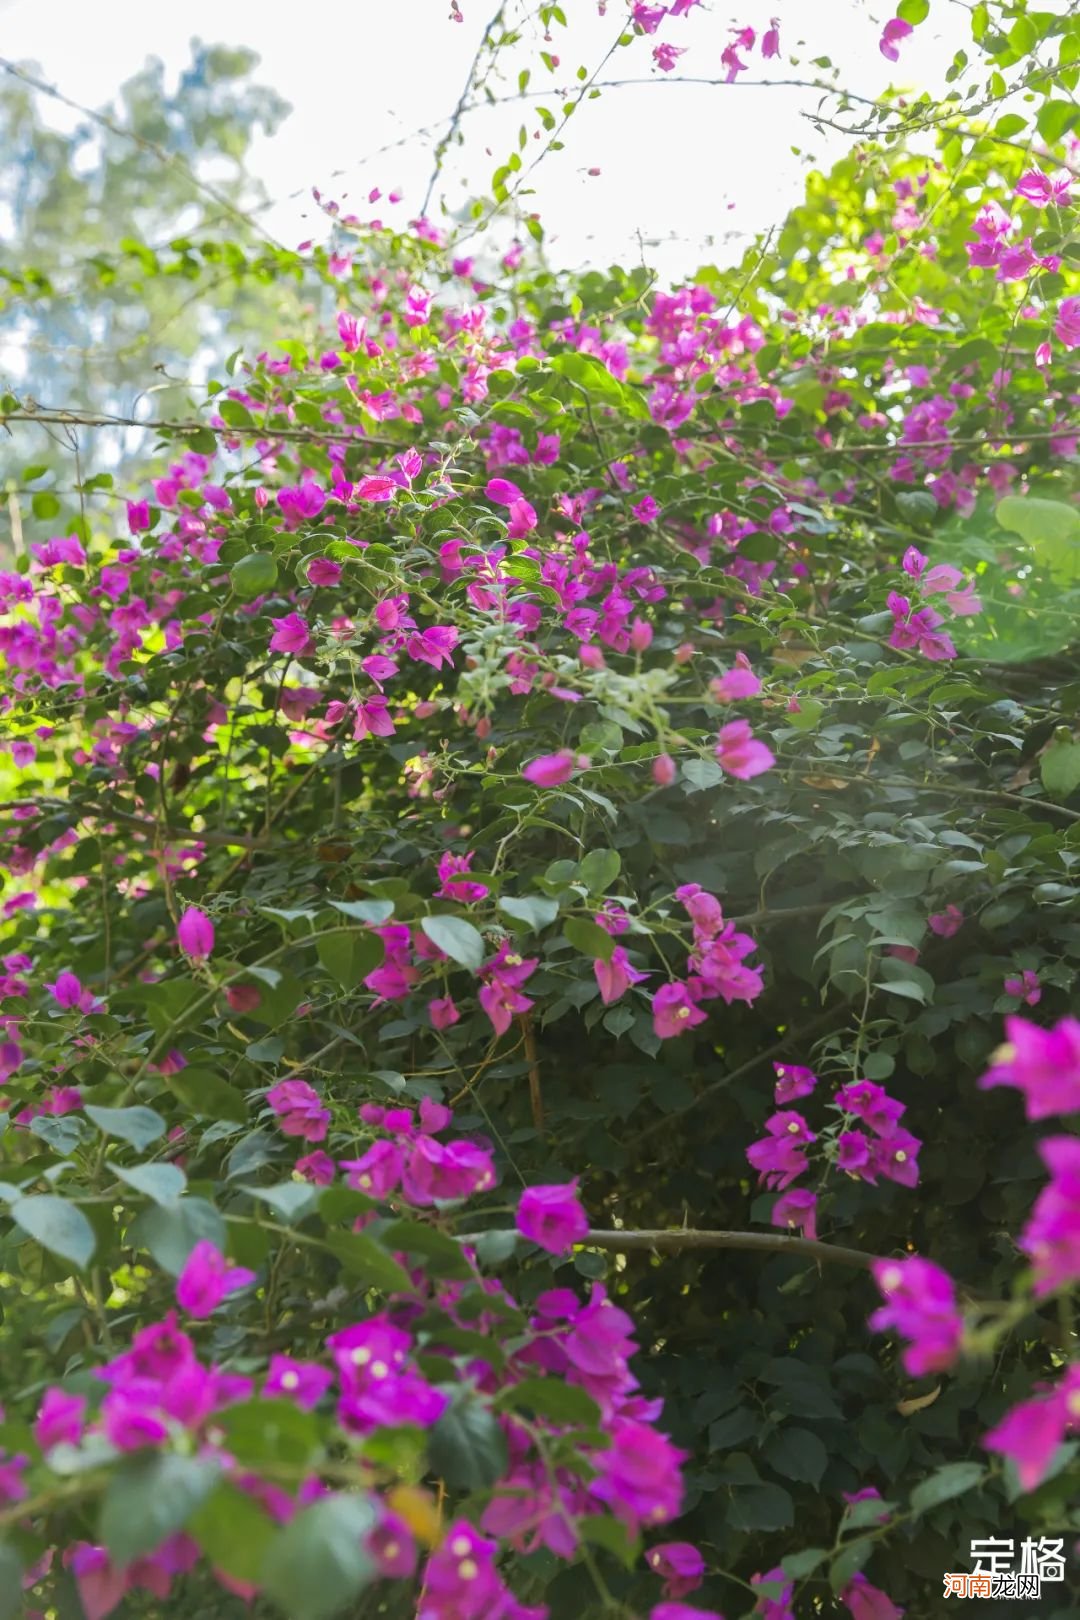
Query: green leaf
[(171, 1232), (349, 958), (269, 1432), (797, 1454), (701, 774), (366, 911), (760, 1507), (139, 1126), (954, 1479), (459, 939), (292, 1200), (467, 1448), (807, 716), (797, 1566), (601, 1530), (207, 1094), (164, 1183), (149, 1499), (253, 576), (11, 1574), (1050, 528), (849, 1562), (599, 869), (318, 1563), (589, 938), (45, 505), (58, 1226), (597, 381), (443, 1251), (369, 1261), (550, 1398), (534, 911), (234, 1532), (1060, 768), (492, 1248)]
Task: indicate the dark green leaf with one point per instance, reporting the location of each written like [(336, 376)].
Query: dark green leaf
[(369, 1261), (589, 938), (467, 1448), (207, 1094), (318, 1563), (170, 1233), (149, 1499)]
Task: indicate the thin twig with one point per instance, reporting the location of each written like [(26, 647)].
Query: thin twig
[(671, 1242)]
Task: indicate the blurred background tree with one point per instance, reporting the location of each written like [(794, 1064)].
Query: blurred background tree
[(134, 257)]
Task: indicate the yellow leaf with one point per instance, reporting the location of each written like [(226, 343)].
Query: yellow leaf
[(419, 1511), (918, 1403)]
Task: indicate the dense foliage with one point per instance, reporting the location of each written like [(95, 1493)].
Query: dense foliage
[(520, 840)]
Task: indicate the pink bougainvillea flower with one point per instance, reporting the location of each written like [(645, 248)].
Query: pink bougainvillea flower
[(870, 1103), (552, 1217), (665, 56), (680, 1564), (60, 1419), (894, 31), (207, 1278), (503, 491), (434, 646), (443, 1012), (796, 1211), (322, 571), (550, 770), (1042, 1063), (291, 635), (646, 509), (1044, 189), (302, 1382), (243, 998), (375, 487), (920, 1304), (675, 1010), (946, 923), (318, 1168), (615, 976), (648, 18), (780, 1157), (378, 1171), (1067, 324), (1051, 1238), (740, 753), (664, 770), (195, 934), (138, 516), (1025, 986), (304, 501), (792, 1082), (740, 682), (1032, 1432), (523, 519), (867, 1602), (453, 882), (299, 1110), (776, 1605), (770, 40)]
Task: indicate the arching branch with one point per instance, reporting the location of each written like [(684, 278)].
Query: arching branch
[(671, 1242)]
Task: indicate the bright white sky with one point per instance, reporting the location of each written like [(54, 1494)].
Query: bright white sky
[(679, 165)]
